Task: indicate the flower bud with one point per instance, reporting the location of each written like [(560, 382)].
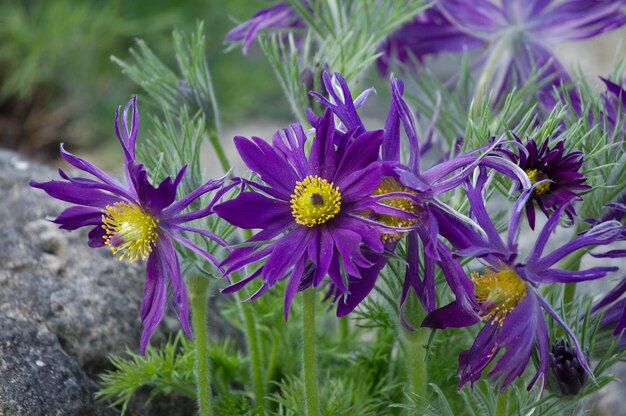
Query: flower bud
[(568, 374)]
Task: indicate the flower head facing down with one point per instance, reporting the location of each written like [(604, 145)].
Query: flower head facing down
[(506, 295), (556, 173), (310, 208), (136, 220)]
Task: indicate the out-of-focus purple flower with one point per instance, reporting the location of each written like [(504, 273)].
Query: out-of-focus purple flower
[(514, 36), (615, 108), (424, 186), (136, 220), (506, 294), (567, 372), (315, 204), (429, 33), (556, 173), (613, 306), (280, 16)]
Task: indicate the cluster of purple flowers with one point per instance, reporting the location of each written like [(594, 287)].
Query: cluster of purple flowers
[(339, 209), (331, 205)]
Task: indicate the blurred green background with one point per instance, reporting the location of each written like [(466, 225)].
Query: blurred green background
[(58, 83)]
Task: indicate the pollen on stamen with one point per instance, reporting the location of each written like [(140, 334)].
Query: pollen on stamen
[(314, 201), (498, 292), (129, 230), (535, 175), (389, 185)]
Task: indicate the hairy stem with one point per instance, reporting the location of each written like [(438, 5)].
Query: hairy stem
[(415, 349), (198, 295), (308, 353)]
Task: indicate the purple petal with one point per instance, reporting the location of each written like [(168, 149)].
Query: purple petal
[(274, 170), (76, 217), (169, 259), (76, 195), (285, 253), (154, 299), (360, 288), (322, 158), (292, 285), (252, 210)]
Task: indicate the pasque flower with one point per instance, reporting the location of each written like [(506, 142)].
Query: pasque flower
[(556, 173), (309, 208), (506, 293), (135, 220), (418, 190), (513, 36)]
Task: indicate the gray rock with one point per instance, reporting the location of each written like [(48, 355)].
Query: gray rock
[(36, 376), (61, 303)]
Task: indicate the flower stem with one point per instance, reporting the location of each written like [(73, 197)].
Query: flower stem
[(219, 151), (415, 349), (198, 295), (308, 353), (253, 351)]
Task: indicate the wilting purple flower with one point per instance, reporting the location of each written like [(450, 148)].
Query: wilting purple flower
[(556, 173), (136, 220), (422, 188), (279, 16), (514, 36), (315, 204), (567, 372), (615, 312), (506, 294)]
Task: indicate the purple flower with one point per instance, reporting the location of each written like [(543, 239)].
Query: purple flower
[(417, 193), (279, 16), (506, 294), (514, 37), (556, 173), (136, 220), (614, 306), (568, 374), (310, 209)]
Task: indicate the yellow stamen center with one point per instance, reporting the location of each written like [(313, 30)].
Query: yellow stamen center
[(536, 175), (498, 292), (314, 201), (386, 186), (129, 230)]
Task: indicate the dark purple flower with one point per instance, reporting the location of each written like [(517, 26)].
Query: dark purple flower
[(280, 16), (417, 192), (566, 371), (506, 293), (613, 306), (310, 209), (136, 220), (556, 173), (514, 37)]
